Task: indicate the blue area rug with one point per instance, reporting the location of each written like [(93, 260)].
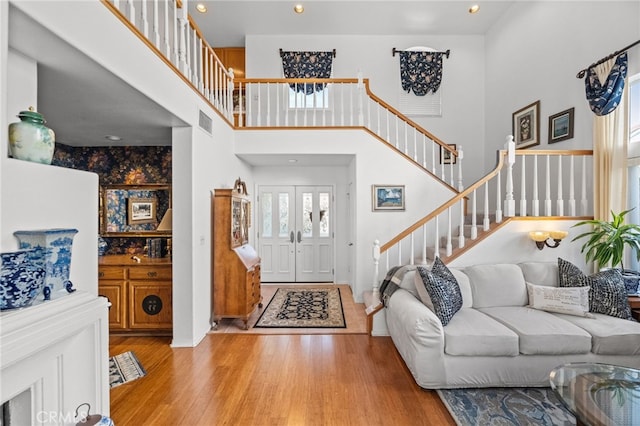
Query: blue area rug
[(506, 406)]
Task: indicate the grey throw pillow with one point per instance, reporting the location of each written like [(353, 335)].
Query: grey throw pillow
[(443, 290), (607, 292)]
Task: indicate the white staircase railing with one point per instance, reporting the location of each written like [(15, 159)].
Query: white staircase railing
[(166, 27), (459, 221)]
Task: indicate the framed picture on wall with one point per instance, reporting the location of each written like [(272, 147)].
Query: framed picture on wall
[(387, 197), (526, 126), (445, 156), (142, 210), (561, 126)]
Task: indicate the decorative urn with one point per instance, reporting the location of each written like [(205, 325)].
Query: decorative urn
[(21, 278), (30, 139), (55, 244)]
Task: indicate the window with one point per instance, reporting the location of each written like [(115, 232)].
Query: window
[(316, 100), (634, 109), (633, 201)]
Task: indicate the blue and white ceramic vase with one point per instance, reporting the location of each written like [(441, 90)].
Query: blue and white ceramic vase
[(21, 278), (56, 245), (30, 139)]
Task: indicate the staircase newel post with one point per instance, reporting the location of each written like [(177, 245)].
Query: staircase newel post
[(510, 202), (376, 272)]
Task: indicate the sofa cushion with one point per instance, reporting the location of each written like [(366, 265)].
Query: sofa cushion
[(404, 277), (497, 285), (472, 333), (564, 300), (609, 335), (443, 290), (607, 292), (463, 284), (542, 333), (540, 273)]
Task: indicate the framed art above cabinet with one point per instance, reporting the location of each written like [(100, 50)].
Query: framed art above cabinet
[(133, 210)]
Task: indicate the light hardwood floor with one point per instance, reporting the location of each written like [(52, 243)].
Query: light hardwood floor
[(251, 379), (271, 377)]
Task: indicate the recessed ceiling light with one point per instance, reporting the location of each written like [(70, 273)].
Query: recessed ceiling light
[(113, 138), (474, 9), (200, 7), (298, 8), (292, 160)]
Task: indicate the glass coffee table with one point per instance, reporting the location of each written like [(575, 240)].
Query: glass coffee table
[(598, 394)]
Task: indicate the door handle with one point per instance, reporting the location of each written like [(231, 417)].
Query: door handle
[(291, 237), (299, 236)]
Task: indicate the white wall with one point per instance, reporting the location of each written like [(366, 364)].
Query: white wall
[(511, 244), (462, 87), (534, 53), (37, 196)]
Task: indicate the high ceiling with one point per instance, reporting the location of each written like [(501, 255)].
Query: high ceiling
[(227, 21), (83, 102)]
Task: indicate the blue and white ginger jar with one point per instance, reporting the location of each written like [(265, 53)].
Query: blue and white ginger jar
[(21, 278)]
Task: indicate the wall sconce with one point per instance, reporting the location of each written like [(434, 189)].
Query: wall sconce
[(541, 238)]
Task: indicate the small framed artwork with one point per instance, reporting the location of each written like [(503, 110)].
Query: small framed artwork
[(445, 156), (141, 210), (561, 126), (526, 126), (387, 197)]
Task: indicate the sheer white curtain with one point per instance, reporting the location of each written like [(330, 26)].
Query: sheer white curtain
[(610, 134)]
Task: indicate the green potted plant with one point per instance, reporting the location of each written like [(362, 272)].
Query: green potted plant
[(605, 245)]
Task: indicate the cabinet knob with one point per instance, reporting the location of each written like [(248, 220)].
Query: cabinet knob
[(100, 274), (152, 274)]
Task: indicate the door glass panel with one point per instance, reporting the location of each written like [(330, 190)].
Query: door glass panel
[(267, 214), (307, 211), (324, 213), (283, 206)]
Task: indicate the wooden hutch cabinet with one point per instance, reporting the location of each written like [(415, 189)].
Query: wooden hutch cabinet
[(140, 293), (236, 265)]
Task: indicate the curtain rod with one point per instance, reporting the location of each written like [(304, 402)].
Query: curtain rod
[(334, 53), (581, 73), (446, 52)]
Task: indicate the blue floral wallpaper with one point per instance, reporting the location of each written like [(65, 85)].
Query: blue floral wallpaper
[(116, 166)]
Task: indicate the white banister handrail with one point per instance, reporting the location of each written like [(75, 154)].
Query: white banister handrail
[(432, 229)]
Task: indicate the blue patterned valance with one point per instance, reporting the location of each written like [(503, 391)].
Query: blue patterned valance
[(605, 98), (420, 71), (307, 65)]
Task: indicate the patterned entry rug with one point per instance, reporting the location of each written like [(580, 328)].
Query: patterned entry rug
[(124, 368), (304, 308), (506, 406)]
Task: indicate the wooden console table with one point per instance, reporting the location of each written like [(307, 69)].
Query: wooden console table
[(634, 302), (140, 293)]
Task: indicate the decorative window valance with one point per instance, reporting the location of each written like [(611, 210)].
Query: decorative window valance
[(420, 71), (307, 65), (604, 97)]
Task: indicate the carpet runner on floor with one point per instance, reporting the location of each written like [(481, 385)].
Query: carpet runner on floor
[(124, 368), (304, 308)]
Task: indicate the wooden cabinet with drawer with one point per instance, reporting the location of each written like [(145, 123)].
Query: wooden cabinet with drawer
[(140, 293), (236, 265)]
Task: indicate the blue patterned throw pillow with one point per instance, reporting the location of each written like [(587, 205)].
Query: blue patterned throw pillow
[(607, 292), (443, 290)]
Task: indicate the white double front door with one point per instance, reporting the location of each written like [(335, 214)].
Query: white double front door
[(295, 233)]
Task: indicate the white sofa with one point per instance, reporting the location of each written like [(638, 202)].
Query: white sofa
[(495, 339)]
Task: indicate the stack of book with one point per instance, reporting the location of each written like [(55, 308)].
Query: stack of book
[(155, 247)]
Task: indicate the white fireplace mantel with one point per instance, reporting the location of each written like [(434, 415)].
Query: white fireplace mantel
[(58, 350)]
